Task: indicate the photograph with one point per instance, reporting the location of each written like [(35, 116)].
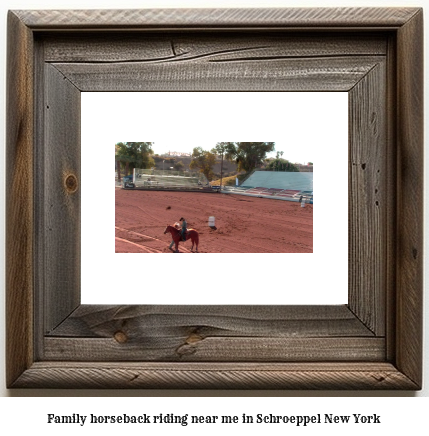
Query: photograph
[(224, 198)]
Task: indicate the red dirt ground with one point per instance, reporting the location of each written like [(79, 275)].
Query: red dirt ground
[(243, 224)]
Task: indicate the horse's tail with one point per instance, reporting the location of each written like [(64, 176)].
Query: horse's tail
[(196, 236)]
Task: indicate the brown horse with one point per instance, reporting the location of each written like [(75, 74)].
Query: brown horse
[(191, 234)]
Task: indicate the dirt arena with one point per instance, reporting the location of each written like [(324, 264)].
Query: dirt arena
[(243, 224)]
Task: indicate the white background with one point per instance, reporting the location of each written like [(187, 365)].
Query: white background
[(316, 123), (16, 414), (182, 121)]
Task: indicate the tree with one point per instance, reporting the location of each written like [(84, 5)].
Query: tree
[(248, 155), (179, 166), (279, 164), (123, 156), (204, 161), (135, 155), (223, 148)]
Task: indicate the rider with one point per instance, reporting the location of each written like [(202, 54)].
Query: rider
[(183, 232)]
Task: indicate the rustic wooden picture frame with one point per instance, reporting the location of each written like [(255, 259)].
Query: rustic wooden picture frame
[(373, 342)]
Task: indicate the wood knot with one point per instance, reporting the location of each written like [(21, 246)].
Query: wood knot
[(193, 338), (70, 183), (379, 378), (189, 347), (120, 337)]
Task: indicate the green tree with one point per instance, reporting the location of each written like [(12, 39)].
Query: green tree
[(179, 166), (135, 155), (223, 148), (248, 155), (123, 157), (279, 164), (204, 161)]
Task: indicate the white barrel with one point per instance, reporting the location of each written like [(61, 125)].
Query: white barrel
[(211, 221), (302, 203)]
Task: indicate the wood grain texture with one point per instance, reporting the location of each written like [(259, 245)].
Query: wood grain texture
[(249, 376), (99, 321), (206, 18), (39, 153), (229, 62), (213, 333), (224, 47), (410, 199), (391, 193), (330, 74), (19, 200), (368, 203), (193, 348), (61, 184)]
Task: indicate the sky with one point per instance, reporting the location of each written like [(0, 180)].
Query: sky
[(302, 124)]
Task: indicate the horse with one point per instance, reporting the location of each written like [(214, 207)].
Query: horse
[(191, 234)]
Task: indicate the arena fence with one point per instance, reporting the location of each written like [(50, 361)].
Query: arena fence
[(166, 179)]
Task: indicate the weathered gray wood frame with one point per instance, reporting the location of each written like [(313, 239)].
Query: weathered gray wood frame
[(373, 342)]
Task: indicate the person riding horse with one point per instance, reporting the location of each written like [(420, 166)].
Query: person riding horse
[(184, 229), (176, 234)]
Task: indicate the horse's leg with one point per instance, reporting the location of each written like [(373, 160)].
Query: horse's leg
[(171, 245)]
